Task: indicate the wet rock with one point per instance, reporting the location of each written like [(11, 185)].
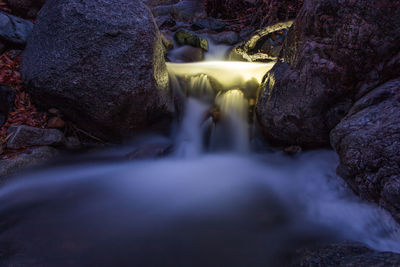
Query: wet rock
[(368, 143), (104, 71), (7, 97), (263, 46), (229, 38), (335, 52), (26, 8), (14, 31), (343, 254), (30, 158), (165, 22), (26, 136), (186, 54), (210, 24), (184, 37)]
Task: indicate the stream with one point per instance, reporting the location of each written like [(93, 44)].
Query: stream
[(220, 198)]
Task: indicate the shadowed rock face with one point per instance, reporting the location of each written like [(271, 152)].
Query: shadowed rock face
[(368, 143), (343, 254), (101, 63), (26, 8), (335, 52)]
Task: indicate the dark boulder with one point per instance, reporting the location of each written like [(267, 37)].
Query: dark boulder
[(335, 52), (101, 63), (368, 143), (26, 8), (7, 97), (14, 31)]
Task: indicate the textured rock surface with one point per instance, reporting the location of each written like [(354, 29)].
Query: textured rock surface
[(344, 254), (101, 63), (26, 136), (229, 38), (336, 51), (7, 97), (368, 143), (28, 8), (30, 158), (13, 30), (153, 3), (184, 37)]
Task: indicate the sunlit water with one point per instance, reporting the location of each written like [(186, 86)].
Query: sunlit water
[(212, 202)]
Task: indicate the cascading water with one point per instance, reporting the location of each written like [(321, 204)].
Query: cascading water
[(192, 208), (232, 131)]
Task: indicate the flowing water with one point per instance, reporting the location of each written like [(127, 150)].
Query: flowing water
[(212, 202)]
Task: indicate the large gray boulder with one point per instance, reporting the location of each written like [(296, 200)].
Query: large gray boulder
[(368, 143), (335, 52), (101, 63)]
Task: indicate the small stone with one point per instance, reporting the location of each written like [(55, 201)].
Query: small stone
[(56, 122), (54, 111), (14, 30), (26, 136)]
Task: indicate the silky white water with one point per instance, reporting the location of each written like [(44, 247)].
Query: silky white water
[(211, 202)]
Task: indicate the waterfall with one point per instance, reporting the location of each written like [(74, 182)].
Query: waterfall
[(225, 88), (190, 138), (232, 131)]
